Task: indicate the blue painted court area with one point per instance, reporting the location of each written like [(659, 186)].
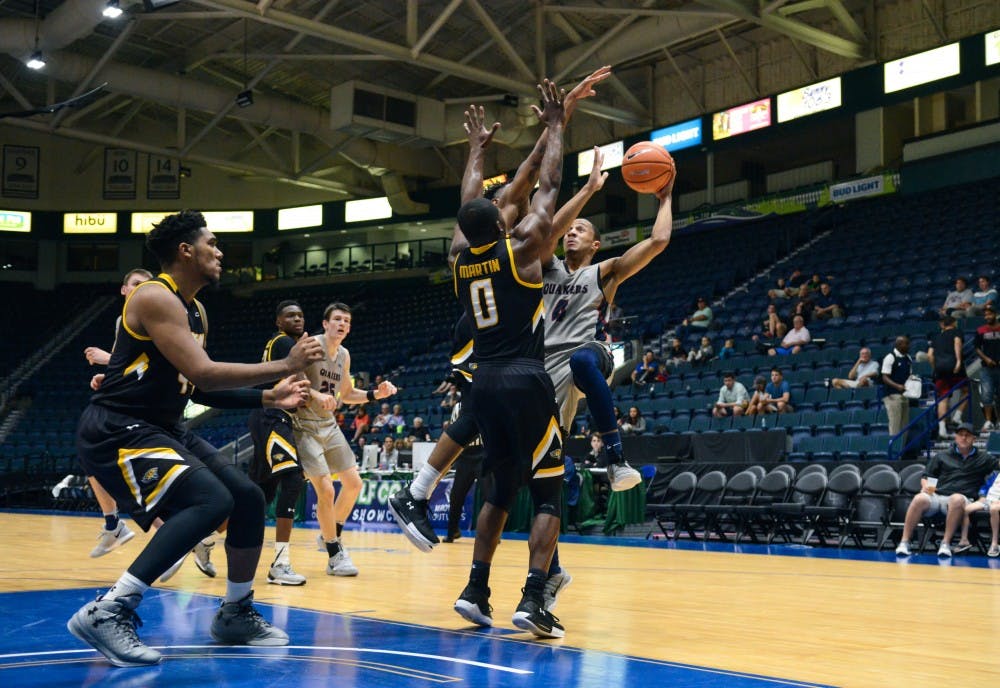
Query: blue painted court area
[(326, 650)]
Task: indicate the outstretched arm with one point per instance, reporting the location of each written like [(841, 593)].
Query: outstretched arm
[(571, 210), (533, 229), (528, 172), (472, 180), (614, 271)]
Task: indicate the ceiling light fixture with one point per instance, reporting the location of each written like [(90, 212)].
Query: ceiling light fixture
[(244, 98), (112, 10), (36, 61)]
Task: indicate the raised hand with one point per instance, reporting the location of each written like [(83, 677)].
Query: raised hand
[(305, 351), (475, 126), (552, 103), (596, 180), (585, 89)]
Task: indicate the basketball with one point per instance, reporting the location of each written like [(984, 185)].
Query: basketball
[(647, 167)]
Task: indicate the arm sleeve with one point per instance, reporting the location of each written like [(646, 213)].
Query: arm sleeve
[(245, 398)]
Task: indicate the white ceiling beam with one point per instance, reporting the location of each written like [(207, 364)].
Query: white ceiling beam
[(258, 140), (632, 11), (15, 93), (499, 38), (434, 27), (698, 101), (739, 66)]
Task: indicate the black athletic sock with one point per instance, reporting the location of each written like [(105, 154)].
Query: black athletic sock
[(110, 521), (534, 586), (554, 564), (340, 529), (333, 548), (479, 576)]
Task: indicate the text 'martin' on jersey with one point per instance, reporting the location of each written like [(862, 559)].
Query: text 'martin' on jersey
[(506, 312)]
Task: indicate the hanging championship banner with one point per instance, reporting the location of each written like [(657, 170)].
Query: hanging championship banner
[(120, 171), (163, 178), (20, 171)]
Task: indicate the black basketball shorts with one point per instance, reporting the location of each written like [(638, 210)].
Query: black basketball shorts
[(274, 451)]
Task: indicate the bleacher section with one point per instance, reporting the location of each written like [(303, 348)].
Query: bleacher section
[(892, 260)]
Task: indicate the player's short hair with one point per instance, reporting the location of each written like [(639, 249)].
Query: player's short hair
[(593, 227), (336, 306), (286, 304), (729, 373), (478, 219), (777, 370), (137, 271), (171, 232), (491, 192)]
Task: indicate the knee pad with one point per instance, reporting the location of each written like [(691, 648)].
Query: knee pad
[(591, 357), (291, 488)]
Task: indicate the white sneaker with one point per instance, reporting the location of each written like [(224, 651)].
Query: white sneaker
[(203, 558), (555, 584), (622, 476), (112, 539), (282, 574), (320, 543), (340, 564), (987, 426), (169, 573), (903, 550), (944, 550), (957, 417)]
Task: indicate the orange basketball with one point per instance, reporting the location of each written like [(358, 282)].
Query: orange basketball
[(647, 167)]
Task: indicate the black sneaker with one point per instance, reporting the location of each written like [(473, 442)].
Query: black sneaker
[(474, 605), (411, 517), (453, 535), (532, 616), (238, 623)]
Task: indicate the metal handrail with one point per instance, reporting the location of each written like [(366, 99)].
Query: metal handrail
[(924, 418)]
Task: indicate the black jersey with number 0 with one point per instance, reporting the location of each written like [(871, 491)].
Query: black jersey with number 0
[(505, 311), (140, 381)]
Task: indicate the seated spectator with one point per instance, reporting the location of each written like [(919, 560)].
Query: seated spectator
[(945, 356), (634, 423), (703, 354), (699, 321), (988, 350), (361, 442), (451, 397), (804, 306), (419, 432), (733, 398), (676, 354), (774, 328), (985, 296), (646, 370), (813, 285), (616, 321), (787, 288), (396, 422), (989, 501), (362, 423), (381, 422), (757, 400), (728, 350), (957, 300), (619, 419), (595, 457), (825, 305), (957, 473), (794, 340), (388, 457), (864, 372), (777, 394)]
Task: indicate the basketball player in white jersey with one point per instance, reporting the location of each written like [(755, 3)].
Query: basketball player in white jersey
[(576, 295), (323, 449)]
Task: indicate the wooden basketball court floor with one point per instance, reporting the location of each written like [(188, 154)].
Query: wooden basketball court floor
[(638, 613)]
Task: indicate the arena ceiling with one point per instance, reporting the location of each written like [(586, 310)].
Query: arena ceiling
[(176, 71)]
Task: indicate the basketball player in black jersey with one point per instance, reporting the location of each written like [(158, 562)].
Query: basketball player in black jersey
[(131, 438), (498, 282), (275, 457)]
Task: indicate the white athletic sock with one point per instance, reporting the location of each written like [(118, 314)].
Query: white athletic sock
[(957, 416), (942, 429), (423, 485), (210, 540), (126, 585), (237, 591), (281, 553)]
